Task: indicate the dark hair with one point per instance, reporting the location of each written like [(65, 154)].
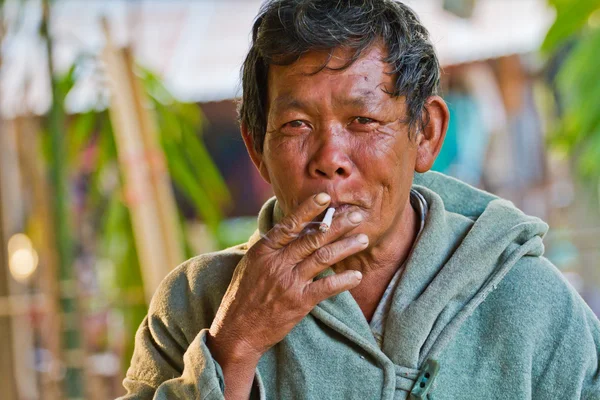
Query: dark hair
[(286, 29)]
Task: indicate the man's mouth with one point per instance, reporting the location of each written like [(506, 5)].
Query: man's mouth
[(340, 208), (343, 207)]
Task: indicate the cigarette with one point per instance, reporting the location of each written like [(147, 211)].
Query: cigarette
[(326, 223)]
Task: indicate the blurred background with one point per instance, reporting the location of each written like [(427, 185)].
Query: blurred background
[(120, 157)]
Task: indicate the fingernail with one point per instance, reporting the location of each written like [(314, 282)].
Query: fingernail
[(358, 275), (355, 217), (322, 198), (362, 238)]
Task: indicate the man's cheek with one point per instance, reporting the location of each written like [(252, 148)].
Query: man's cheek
[(279, 143)]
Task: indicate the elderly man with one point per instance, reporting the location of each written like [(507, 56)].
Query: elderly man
[(419, 289)]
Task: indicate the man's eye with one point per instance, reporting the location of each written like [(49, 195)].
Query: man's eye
[(364, 120), (295, 124)]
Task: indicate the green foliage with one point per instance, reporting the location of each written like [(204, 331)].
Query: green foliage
[(571, 17), (578, 131), (189, 163)]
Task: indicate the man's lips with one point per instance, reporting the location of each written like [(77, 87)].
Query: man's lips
[(339, 208), (342, 207)]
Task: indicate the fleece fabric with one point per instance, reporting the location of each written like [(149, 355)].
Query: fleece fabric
[(476, 295)]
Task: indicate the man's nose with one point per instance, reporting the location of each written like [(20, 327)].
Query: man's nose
[(330, 160)]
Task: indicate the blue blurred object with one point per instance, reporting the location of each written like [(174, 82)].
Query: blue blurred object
[(465, 146)]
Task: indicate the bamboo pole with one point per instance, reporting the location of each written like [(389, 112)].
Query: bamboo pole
[(17, 344), (159, 177), (74, 355), (7, 370), (147, 189), (13, 201), (42, 229)]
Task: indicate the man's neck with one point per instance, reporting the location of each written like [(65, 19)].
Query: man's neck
[(379, 264)]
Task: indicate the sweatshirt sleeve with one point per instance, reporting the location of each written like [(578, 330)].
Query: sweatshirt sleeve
[(198, 377), (566, 337), (573, 366), (591, 382), (171, 359)]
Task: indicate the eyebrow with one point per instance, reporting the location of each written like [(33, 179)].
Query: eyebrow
[(287, 101), (362, 99)]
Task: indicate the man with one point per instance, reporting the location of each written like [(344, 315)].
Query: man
[(424, 289)]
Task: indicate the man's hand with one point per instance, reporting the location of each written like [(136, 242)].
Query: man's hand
[(272, 288)]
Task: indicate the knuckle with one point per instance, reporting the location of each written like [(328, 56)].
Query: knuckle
[(330, 285), (287, 225), (324, 255), (312, 242), (279, 235), (282, 233)]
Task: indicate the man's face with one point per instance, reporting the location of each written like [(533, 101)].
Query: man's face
[(338, 132)]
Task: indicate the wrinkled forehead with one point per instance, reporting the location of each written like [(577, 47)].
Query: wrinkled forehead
[(331, 76)]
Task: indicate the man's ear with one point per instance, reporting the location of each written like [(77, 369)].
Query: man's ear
[(430, 139), (255, 156)]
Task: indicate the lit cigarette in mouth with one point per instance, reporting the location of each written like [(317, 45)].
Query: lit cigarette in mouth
[(326, 223)]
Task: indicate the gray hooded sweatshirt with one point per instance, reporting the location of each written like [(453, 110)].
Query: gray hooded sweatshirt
[(479, 313)]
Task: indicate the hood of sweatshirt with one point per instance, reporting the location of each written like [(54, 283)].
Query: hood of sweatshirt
[(470, 241)]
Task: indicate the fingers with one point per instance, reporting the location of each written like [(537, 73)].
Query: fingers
[(328, 255), (306, 245), (332, 285), (291, 225)]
